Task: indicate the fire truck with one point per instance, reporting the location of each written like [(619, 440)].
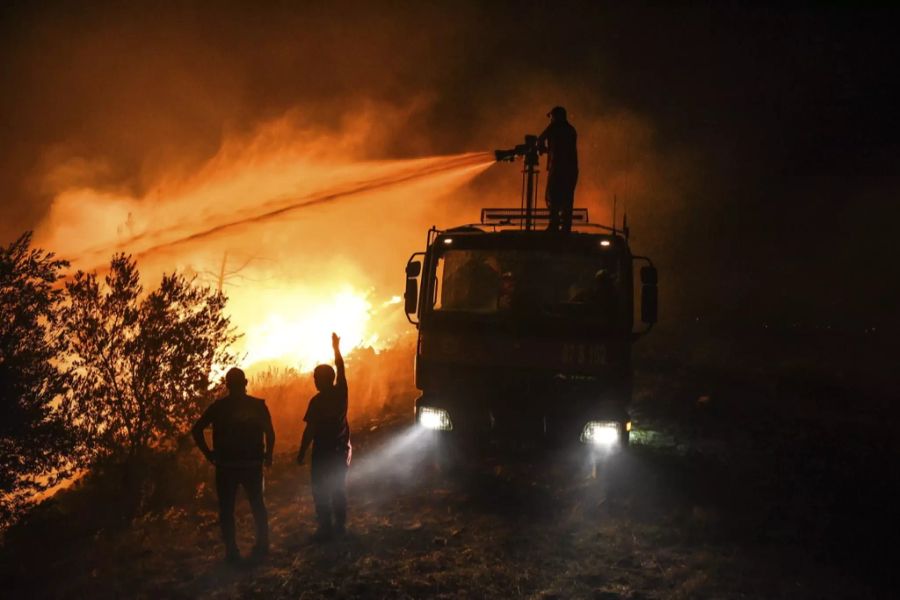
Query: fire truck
[(524, 334)]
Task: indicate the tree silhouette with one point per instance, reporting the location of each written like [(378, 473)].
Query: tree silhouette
[(34, 441), (224, 275), (139, 367)]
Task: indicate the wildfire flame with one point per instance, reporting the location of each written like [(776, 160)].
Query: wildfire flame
[(295, 324), (304, 237)]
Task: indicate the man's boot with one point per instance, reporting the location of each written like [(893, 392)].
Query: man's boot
[(340, 518), (232, 554), (323, 533), (261, 549)]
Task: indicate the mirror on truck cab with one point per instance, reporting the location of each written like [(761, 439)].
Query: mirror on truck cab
[(411, 295), (649, 295)]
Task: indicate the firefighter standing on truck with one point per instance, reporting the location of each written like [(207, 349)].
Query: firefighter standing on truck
[(329, 433), (558, 141)]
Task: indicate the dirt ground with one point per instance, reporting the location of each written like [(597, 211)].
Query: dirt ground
[(723, 494)]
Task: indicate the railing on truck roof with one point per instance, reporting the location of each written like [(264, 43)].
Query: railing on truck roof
[(515, 217), (500, 219)]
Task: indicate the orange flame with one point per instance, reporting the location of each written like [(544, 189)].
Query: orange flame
[(315, 236)]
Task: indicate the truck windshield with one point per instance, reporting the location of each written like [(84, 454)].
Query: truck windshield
[(581, 285)]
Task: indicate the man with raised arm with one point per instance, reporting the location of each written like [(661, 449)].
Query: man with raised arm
[(329, 433), (243, 441)]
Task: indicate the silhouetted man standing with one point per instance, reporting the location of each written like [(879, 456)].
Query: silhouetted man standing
[(329, 433), (559, 142), (243, 441)]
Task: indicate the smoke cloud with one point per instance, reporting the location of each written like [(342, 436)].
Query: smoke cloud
[(295, 157), (703, 123)]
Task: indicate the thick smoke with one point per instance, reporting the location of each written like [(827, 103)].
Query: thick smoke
[(304, 234), (191, 138), (122, 100), (733, 136)]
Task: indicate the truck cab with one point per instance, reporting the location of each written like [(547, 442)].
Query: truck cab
[(524, 335)]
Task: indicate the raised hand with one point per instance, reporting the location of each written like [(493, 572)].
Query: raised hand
[(335, 341)]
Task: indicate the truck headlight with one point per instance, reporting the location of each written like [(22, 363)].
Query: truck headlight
[(435, 418), (601, 433)]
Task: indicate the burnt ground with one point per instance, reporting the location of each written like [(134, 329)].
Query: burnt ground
[(725, 493)]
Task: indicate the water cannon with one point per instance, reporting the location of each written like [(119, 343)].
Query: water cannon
[(530, 151), (507, 155)]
